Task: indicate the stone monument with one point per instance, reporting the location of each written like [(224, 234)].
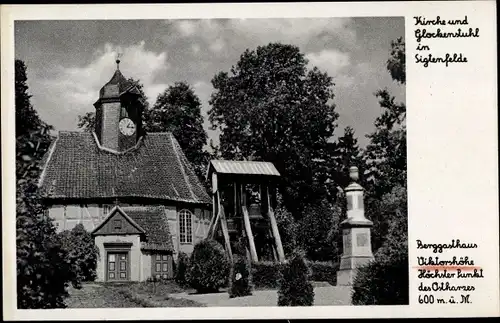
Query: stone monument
[(357, 249)]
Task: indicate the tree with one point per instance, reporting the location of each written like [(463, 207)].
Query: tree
[(333, 167), (87, 121), (270, 107), (27, 119), (178, 110), (43, 269), (385, 155), (319, 232), (348, 154)]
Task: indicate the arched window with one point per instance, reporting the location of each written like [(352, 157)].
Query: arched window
[(185, 226)]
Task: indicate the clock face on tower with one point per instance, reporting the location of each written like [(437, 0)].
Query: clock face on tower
[(127, 127)]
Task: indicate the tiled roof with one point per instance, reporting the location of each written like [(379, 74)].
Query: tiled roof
[(76, 167), (243, 167), (154, 221)]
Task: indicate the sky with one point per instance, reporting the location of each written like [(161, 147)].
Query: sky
[(68, 61)]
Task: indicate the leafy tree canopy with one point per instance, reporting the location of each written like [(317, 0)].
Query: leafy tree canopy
[(385, 155), (271, 107)]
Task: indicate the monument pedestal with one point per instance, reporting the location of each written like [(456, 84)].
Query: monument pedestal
[(357, 249)]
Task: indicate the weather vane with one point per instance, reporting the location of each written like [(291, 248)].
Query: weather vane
[(118, 55)]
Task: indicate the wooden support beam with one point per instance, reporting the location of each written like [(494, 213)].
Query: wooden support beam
[(215, 206), (274, 227), (246, 221), (211, 227), (225, 232), (215, 210), (248, 229), (273, 247)]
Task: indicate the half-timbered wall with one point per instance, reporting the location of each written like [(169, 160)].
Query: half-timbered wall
[(66, 217)]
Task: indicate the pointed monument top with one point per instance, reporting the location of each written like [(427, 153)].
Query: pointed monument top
[(353, 173)]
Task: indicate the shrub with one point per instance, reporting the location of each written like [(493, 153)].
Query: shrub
[(295, 287), (266, 274), (43, 268), (209, 267), (384, 281), (324, 271), (181, 269), (241, 277), (82, 252)]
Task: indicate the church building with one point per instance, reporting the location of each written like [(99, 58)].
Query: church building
[(135, 191)]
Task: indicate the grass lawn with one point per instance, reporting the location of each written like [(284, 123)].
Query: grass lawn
[(149, 295), (106, 295), (93, 295), (170, 294)]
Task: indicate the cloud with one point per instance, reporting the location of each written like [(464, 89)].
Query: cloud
[(339, 65), (218, 45), (329, 60), (204, 90), (78, 87), (296, 30), (216, 34), (195, 48), (186, 27)]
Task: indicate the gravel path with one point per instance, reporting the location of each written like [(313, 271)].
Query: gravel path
[(97, 296), (323, 296)]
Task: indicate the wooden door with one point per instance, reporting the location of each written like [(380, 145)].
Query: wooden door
[(118, 266)]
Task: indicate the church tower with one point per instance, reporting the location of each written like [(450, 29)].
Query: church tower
[(119, 109)]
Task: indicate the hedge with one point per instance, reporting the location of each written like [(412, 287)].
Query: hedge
[(324, 271), (266, 274)]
